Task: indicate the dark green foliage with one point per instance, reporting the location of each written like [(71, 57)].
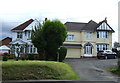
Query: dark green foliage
[(5, 58), (115, 71), (47, 38), (23, 57), (114, 50), (54, 34), (31, 56), (118, 54), (38, 39), (62, 53)]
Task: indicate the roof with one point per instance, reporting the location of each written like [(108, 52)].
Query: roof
[(23, 25), (19, 41), (90, 26), (4, 47), (7, 38), (106, 23), (75, 26)]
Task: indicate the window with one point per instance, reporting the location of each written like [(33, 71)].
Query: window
[(102, 47), (70, 37), (29, 34), (102, 34), (19, 34), (25, 33), (30, 48), (89, 35)]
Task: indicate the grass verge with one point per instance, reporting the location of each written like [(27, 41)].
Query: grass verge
[(37, 70), (115, 71)]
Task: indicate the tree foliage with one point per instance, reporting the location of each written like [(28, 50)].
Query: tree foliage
[(116, 44), (62, 53), (37, 38), (48, 37)]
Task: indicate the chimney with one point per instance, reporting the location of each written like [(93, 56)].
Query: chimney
[(105, 19), (45, 19)]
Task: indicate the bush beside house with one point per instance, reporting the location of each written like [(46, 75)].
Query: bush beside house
[(62, 53), (48, 37)]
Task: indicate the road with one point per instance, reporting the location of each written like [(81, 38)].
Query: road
[(92, 69)]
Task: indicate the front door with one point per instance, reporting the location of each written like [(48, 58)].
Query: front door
[(88, 50)]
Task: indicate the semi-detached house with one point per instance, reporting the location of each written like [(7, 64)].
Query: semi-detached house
[(83, 40)]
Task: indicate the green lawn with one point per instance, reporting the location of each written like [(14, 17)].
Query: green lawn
[(37, 70), (115, 71)]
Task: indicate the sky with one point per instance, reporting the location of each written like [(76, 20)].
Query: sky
[(15, 12)]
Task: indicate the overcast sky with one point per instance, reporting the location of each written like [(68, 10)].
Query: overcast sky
[(15, 12)]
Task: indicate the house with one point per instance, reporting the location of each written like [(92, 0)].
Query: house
[(21, 35), (83, 40), (6, 41), (4, 49), (86, 39)]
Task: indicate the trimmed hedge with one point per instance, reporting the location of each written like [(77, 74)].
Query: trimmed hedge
[(62, 53)]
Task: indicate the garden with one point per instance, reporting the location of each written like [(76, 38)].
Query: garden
[(37, 70), (32, 68), (48, 64)]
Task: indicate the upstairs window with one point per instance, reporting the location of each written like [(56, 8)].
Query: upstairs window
[(19, 35), (70, 37), (89, 35), (102, 34), (29, 34), (25, 33)]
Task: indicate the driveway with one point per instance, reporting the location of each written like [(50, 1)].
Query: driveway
[(92, 69)]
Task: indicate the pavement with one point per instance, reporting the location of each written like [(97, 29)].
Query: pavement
[(93, 69)]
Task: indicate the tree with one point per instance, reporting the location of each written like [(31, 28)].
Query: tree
[(116, 44), (47, 38), (37, 38)]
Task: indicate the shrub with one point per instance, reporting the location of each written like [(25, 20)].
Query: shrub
[(5, 58), (62, 53), (23, 57), (31, 56), (118, 54)]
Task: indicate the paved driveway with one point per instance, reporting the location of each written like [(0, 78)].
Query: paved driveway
[(92, 69)]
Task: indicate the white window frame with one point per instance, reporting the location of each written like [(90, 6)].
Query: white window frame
[(89, 35), (102, 34), (101, 46), (70, 37), (19, 35), (28, 35)]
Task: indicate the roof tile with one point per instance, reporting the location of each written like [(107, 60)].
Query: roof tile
[(23, 26)]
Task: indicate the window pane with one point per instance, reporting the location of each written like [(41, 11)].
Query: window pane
[(102, 34), (70, 37), (102, 47)]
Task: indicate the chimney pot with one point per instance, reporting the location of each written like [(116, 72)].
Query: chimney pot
[(45, 19)]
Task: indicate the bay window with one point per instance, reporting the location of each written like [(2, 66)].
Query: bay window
[(102, 47)]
